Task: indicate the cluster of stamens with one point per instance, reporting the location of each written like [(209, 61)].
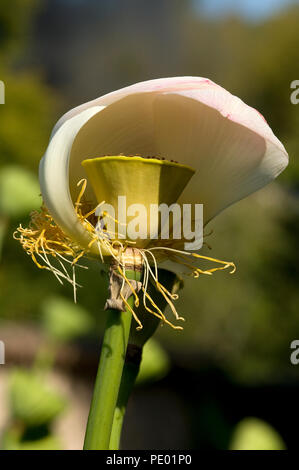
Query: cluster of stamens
[(44, 239)]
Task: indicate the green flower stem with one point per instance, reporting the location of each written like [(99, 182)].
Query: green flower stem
[(130, 372), (109, 375), (137, 340)]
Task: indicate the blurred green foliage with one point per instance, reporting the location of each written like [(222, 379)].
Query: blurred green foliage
[(255, 434), (155, 363), (15, 18), (26, 118), (19, 191), (28, 113), (12, 440), (245, 322), (32, 400), (63, 320), (34, 405)]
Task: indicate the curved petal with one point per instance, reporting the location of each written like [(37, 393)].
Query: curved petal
[(54, 177), (187, 119), (229, 144), (159, 84)]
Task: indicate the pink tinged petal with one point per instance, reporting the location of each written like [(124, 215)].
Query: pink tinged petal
[(228, 142), (188, 119), (159, 84)]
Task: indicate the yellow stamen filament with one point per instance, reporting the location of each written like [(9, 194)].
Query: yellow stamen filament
[(140, 326), (160, 314), (44, 238), (123, 275)]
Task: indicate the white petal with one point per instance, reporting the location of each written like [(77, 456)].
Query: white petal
[(188, 119), (159, 84), (229, 144), (54, 177)]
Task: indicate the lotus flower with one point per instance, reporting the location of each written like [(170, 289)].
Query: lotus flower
[(218, 150), (188, 119), (182, 139)]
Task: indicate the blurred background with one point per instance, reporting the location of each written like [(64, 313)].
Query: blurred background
[(226, 381)]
